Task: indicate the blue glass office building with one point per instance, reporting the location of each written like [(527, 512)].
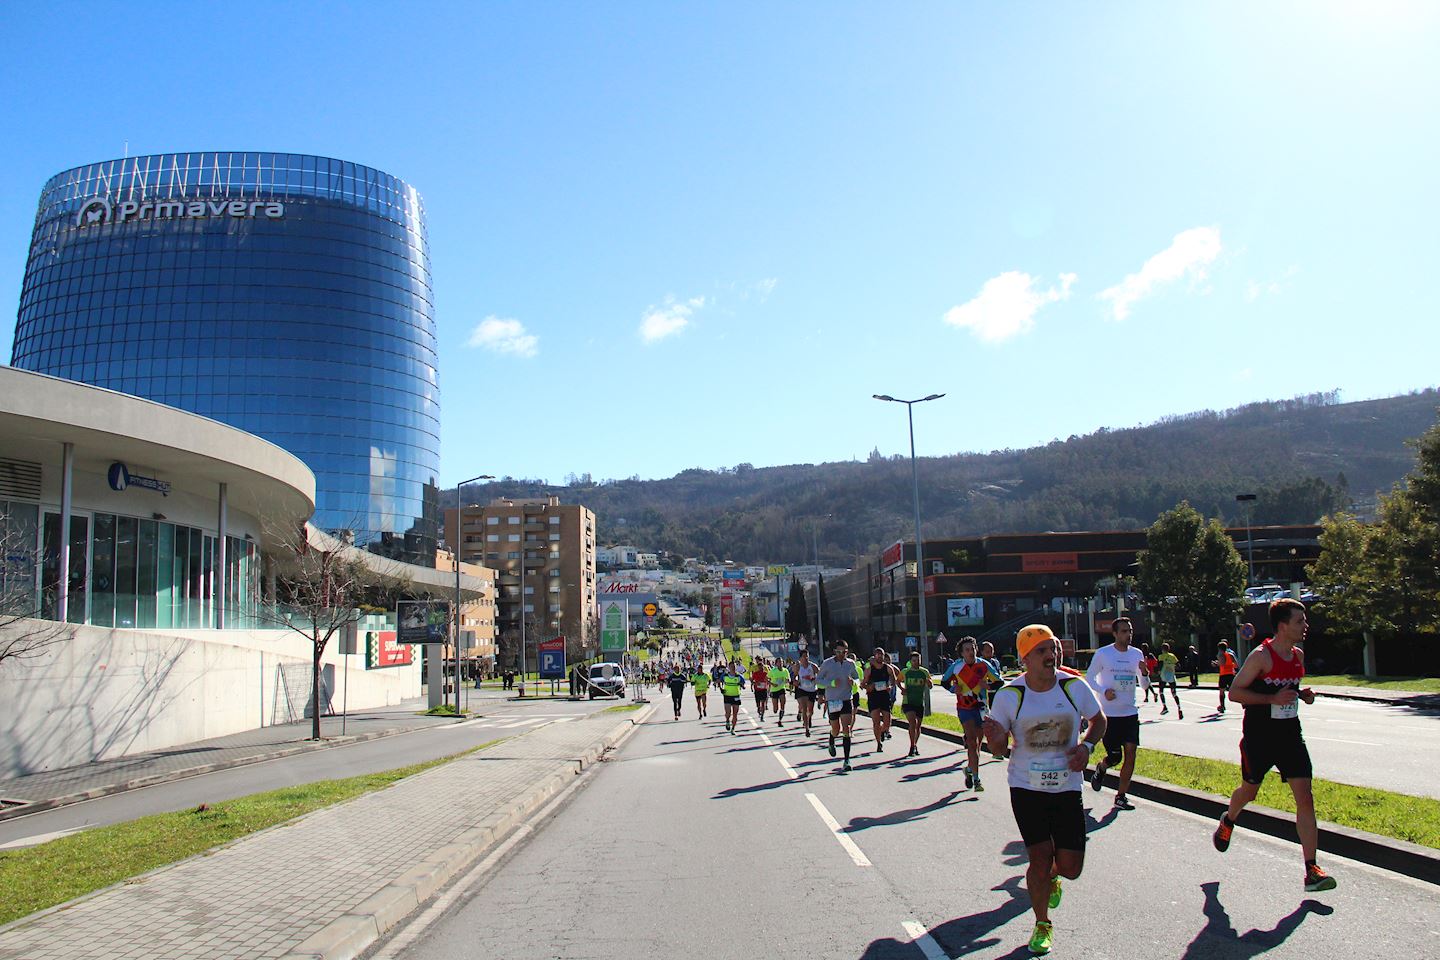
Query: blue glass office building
[(286, 295)]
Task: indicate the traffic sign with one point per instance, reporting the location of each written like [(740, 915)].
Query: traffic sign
[(650, 609), (911, 642), (552, 659), (1247, 632)]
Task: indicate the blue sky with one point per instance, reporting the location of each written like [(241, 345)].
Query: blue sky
[(704, 234)]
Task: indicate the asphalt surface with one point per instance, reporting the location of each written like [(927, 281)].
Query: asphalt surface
[(692, 842), (1367, 744), (501, 719)]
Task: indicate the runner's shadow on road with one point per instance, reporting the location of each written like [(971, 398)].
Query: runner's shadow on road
[(1218, 939), (1015, 854), (905, 816), (1091, 824), (964, 935), (955, 767)]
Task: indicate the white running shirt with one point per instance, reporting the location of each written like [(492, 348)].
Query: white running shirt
[(1045, 726), (1112, 670)]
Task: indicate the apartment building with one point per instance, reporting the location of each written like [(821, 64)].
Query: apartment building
[(543, 553), (477, 613)]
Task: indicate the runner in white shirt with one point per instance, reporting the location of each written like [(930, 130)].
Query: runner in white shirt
[(1114, 672), (1042, 713), (806, 673), (837, 680)]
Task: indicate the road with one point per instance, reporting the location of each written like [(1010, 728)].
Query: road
[(692, 842), (503, 718), (1368, 744)]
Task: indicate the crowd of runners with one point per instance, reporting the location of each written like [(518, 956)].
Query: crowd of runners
[(1048, 721)]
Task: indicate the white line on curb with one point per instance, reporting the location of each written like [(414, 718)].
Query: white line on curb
[(850, 846), (786, 764), (924, 941)]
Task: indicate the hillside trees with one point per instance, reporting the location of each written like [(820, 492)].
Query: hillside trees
[(797, 618)]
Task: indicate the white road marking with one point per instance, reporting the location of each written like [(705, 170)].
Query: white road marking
[(850, 846), (39, 838), (924, 941), (1363, 743), (786, 764)]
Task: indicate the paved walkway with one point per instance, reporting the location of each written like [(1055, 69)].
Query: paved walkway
[(327, 885), (109, 776)]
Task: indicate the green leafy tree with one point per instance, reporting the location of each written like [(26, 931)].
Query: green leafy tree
[(1344, 575), (822, 611), (1191, 572), (797, 617)]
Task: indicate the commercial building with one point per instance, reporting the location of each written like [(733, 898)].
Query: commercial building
[(991, 585), (544, 554), (283, 294)]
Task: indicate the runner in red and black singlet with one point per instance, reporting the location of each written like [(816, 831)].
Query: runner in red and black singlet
[(1269, 687)]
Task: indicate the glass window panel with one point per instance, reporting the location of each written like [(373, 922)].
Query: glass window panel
[(126, 550), (145, 579), (102, 572)]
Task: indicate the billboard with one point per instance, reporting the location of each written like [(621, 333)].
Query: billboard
[(733, 580), (727, 611), (777, 570), (892, 555), (382, 650), (965, 612), (614, 627), (423, 621)]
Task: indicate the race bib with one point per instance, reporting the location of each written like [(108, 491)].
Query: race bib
[(1286, 711), (1125, 685), (1046, 775), (836, 706), (882, 685)]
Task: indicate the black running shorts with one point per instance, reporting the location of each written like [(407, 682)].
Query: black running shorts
[(1288, 755), (1042, 817), (1118, 732)]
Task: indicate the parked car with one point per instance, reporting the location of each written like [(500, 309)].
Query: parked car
[(606, 678)]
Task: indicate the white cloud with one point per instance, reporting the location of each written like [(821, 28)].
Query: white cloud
[(1255, 289), (766, 287), (1188, 255), (1006, 305), (668, 319), (504, 335)]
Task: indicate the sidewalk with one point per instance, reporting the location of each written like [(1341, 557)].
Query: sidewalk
[(330, 884), (53, 788)]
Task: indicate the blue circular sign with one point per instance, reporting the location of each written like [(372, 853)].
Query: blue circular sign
[(1247, 631), (119, 477)]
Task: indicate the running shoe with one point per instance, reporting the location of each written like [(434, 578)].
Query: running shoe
[(1097, 777), (846, 767), (1123, 802), (969, 779), (1182, 713), (979, 787), (1222, 834), (1317, 880), (1041, 939), (1056, 892), (880, 746), (1165, 711), (832, 746), (914, 752)]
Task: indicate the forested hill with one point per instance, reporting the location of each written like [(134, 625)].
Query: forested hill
[(1303, 457)]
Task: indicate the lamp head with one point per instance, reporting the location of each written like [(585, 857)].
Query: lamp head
[(882, 396)]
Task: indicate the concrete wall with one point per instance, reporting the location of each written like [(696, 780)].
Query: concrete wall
[(107, 693)]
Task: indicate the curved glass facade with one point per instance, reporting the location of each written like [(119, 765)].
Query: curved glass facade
[(283, 294)]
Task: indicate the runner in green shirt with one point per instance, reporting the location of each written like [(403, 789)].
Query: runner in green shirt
[(701, 682), (917, 680), (1168, 663), (779, 684)]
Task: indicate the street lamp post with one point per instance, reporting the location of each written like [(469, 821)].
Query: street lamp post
[(819, 610), (455, 550), (919, 544), (1248, 499)]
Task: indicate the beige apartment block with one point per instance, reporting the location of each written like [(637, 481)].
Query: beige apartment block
[(477, 615), (543, 553)]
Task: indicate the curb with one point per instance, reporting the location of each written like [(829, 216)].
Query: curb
[(363, 925), (94, 793), (1397, 856)]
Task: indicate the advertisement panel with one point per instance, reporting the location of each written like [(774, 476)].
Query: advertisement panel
[(892, 555), (382, 650), (733, 580), (777, 570), (965, 612), (423, 621), (614, 627), (552, 659), (1049, 562), (727, 611)]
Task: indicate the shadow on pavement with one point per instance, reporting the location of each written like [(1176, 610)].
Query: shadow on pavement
[(964, 935), (1218, 940), (905, 816), (1091, 824)]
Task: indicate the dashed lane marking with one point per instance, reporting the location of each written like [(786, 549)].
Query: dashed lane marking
[(786, 764), (850, 846), (924, 941)]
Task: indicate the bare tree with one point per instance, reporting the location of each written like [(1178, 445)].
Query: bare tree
[(321, 584), (23, 635)]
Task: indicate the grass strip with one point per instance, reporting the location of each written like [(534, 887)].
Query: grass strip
[(1397, 815), (622, 708), (41, 876)]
